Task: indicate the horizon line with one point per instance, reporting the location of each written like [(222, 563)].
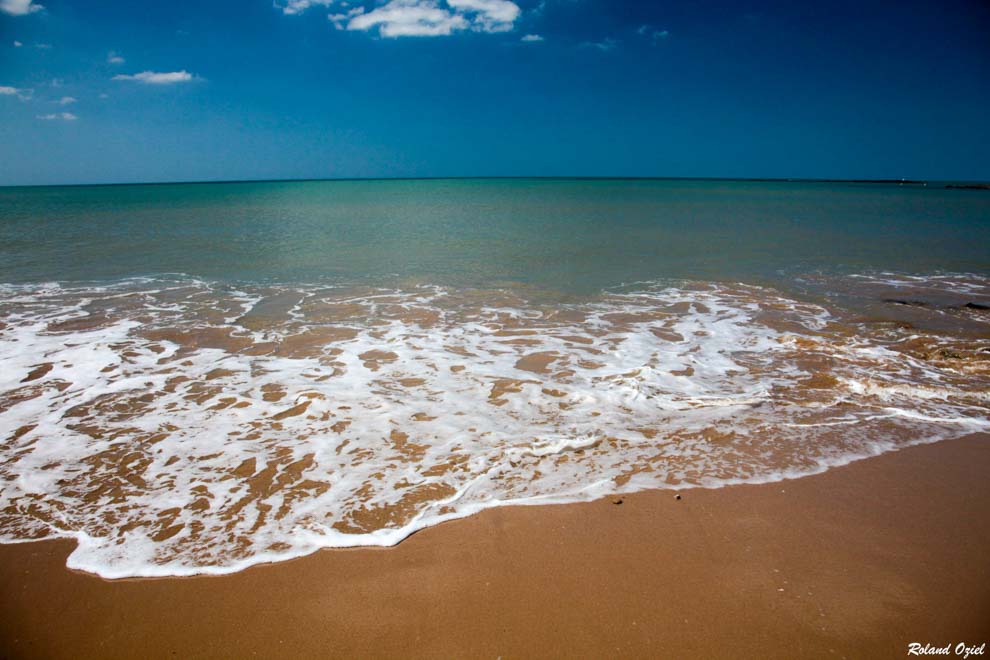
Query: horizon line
[(880, 181)]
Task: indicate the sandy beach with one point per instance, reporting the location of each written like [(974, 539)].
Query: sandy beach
[(857, 562)]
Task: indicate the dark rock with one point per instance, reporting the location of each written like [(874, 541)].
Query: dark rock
[(617, 500), (973, 305), (677, 497), (901, 301)]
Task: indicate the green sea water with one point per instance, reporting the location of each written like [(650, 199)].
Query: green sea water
[(573, 236)]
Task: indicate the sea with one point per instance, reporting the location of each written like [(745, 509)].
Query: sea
[(197, 378)]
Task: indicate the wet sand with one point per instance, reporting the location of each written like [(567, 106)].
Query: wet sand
[(856, 562)]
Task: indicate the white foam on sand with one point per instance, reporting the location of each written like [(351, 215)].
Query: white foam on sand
[(170, 432)]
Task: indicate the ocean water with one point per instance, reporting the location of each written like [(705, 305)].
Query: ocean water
[(564, 235), (197, 378)]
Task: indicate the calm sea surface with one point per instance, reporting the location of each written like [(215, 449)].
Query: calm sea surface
[(573, 236)]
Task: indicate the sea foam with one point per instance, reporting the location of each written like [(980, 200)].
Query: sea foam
[(177, 427)]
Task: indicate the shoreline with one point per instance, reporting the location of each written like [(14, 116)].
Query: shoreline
[(617, 497), (860, 560)]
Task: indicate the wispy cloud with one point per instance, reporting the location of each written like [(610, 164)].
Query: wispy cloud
[(417, 18), (532, 38), (488, 15), (653, 33), (43, 46), (114, 58), (22, 94), (58, 116), (17, 44), (67, 100), (299, 6), (604, 45), (156, 78), (19, 7), (340, 19)]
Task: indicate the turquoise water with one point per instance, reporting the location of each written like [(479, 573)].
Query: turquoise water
[(575, 236)]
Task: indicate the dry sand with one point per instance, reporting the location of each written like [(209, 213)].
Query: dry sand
[(857, 562)]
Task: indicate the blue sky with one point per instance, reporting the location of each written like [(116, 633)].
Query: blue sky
[(124, 91)]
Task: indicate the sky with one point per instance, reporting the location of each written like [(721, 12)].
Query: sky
[(129, 91)]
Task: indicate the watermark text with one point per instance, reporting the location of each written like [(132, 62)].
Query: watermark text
[(961, 649)]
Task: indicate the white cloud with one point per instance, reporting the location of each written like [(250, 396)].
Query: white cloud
[(531, 38), (155, 78), (43, 46), (59, 116), (104, 95), (114, 58), (17, 44), (299, 6), (417, 18), (22, 94), (66, 100), (488, 15), (19, 7), (340, 19), (410, 18)]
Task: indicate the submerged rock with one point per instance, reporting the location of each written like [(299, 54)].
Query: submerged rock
[(944, 354), (969, 186), (902, 301)]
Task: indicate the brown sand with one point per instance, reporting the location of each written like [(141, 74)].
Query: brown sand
[(857, 562)]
